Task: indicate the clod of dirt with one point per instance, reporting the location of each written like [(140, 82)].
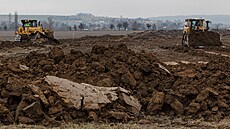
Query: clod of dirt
[(57, 54), (156, 102)]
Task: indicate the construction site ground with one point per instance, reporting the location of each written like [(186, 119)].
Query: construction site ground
[(10, 35), (178, 87)]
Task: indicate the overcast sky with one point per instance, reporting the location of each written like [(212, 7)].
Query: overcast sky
[(116, 8)]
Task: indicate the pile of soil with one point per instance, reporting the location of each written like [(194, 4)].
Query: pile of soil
[(113, 66), (23, 90), (202, 91), (206, 38), (157, 90)]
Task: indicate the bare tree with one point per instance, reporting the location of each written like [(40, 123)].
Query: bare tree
[(5, 27), (15, 20), (112, 26), (81, 26), (148, 25), (70, 28), (134, 25), (75, 27), (154, 27), (125, 25), (50, 22), (10, 22), (119, 25), (63, 26)]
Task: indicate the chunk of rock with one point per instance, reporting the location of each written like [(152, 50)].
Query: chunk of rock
[(25, 120), (177, 106), (187, 73), (106, 82), (119, 115), (128, 79), (156, 102), (193, 107), (56, 53), (24, 67), (89, 97), (204, 94), (92, 116)]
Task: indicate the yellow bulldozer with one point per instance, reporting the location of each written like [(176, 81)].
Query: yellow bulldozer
[(197, 34), (33, 31)]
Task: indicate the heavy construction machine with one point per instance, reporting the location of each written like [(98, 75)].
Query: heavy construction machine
[(197, 34), (33, 31)]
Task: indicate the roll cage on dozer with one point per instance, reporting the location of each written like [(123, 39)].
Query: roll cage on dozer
[(197, 33), (33, 31)]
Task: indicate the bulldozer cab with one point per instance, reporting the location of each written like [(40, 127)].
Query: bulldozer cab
[(29, 27), (194, 25), (29, 23)]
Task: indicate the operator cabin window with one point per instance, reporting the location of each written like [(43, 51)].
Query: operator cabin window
[(34, 24), (27, 25), (193, 25)]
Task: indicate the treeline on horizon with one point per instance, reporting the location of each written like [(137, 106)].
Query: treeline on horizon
[(85, 21)]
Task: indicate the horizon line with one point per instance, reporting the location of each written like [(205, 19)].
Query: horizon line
[(118, 16)]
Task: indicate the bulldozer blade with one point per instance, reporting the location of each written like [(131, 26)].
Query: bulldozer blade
[(201, 39), (49, 38)]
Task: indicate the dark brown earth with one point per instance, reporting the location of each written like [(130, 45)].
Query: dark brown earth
[(204, 38), (198, 87)]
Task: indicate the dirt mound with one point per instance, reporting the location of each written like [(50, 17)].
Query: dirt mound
[(205, 89), (202, 91), (207, 38), (104, 66), (24, 93), (141, 73)]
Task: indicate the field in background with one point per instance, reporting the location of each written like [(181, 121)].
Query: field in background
[(9, 35)]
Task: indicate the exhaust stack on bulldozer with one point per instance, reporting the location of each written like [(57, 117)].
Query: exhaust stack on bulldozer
[(32, 31), (196, 34)]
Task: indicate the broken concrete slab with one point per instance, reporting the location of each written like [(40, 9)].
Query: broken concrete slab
[(89, 97)]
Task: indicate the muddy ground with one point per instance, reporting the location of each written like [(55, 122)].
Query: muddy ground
[(167, 79)]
